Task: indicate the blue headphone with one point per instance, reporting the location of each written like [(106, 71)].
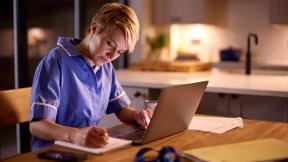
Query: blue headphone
[(166, 154)]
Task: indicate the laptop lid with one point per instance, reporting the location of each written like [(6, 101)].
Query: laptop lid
[(175, 109)]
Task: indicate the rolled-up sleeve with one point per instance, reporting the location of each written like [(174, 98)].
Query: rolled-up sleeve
[(46, 90), (118, 97)]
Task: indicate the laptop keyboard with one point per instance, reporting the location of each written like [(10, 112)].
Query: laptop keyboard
[(136, 135)]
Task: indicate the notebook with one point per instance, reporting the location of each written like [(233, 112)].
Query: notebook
[(261, 150), (173, 114), (114, 143)]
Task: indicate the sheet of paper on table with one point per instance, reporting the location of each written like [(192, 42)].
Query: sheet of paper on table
[(216, 125)]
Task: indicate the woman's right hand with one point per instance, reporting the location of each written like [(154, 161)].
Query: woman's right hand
[(92, 136)]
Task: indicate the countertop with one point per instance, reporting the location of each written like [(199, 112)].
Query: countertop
[(219, 81)]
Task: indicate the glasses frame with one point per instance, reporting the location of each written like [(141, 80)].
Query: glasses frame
[(114, 47)]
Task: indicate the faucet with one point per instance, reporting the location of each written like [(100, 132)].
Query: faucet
[(248, 53)]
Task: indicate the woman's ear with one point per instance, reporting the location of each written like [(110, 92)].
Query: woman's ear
[(93, 28)]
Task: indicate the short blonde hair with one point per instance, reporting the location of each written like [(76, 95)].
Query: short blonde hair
[(113, 15)]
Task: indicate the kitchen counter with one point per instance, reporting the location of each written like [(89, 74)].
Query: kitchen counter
[(219, 81), (254, 66)]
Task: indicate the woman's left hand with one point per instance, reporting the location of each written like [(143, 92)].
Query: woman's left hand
[(143, 117)]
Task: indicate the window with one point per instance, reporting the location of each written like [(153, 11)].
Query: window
[(45, 20)]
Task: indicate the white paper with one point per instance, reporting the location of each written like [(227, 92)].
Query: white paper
[(114, 143), (216, 125)]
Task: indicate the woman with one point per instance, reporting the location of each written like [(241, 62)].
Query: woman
[(75, 84)]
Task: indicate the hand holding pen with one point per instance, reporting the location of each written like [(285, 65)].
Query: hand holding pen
[(93, 136)]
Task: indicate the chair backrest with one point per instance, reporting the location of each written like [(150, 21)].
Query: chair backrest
[(14, 106)]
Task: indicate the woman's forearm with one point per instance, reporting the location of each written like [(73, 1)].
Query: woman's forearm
[(48, 130), (127, 115)]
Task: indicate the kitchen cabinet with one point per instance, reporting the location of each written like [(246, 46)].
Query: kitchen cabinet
[(279, 14), (186, 11), (137, 96), (247, 106), (261, 107), (214, 104)]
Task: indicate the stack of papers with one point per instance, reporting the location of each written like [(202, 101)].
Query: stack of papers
[(216, 125), (114, 143)]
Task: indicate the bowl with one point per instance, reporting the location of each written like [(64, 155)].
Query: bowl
[(230, 54)]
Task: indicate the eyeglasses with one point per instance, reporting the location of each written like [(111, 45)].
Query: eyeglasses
[(113, 47), (166, 154)]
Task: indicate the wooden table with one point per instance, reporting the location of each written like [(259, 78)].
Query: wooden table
[(187, 140)]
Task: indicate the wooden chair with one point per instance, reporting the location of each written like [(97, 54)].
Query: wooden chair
[(14, 106), (14, 110)]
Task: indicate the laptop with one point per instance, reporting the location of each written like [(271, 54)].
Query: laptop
[(173, 114)]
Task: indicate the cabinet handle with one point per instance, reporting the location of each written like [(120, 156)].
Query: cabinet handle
[(221, 95), (139, 94), (234, 96), (175, 19)]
